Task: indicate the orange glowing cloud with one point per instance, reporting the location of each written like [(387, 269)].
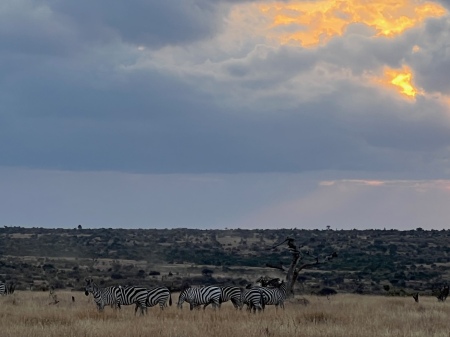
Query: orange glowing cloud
[(402, 80), (313, 22)]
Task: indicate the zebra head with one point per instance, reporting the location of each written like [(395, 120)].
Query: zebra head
[(90, 286)]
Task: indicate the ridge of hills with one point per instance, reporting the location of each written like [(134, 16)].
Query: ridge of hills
[(369, 261)]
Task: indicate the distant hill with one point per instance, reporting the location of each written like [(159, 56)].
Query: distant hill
[(369, 261)]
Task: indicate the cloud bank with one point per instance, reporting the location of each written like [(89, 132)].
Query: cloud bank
[(228, 87)]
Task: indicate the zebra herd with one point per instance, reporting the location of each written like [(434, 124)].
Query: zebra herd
[(255, 297), (116, 296)]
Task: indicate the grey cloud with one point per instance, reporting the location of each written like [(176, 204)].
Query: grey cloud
[(65, 28), (32, 28), (197, 136), (446, 3), (143, 22), (433, 58), (359, 51)]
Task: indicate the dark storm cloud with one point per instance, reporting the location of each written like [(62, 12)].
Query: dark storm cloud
[(161, 133)]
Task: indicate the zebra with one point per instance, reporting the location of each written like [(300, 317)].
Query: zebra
[(253, 298), (158, 295), (273, 295), (198, 296), (103, 296), (134, 295), (6, 289), (229, 293)]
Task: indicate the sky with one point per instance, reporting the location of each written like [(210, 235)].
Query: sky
[(225, 114)]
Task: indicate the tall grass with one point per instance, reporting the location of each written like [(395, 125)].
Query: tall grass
[(31, 314)]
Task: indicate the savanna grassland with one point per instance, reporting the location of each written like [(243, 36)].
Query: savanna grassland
[(29, 313)]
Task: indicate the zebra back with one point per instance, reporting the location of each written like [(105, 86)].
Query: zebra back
[(134, 295), (158, 295), (253, 298), (233, 294)]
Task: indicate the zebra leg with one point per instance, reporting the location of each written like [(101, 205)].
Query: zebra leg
[(236, 304)]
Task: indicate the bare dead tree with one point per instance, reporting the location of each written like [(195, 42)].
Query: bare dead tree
[(296, 266)]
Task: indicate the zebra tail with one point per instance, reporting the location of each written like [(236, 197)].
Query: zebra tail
[(263, 305), (170, 299)]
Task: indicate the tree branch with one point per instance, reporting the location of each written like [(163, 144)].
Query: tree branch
[(279, 267)]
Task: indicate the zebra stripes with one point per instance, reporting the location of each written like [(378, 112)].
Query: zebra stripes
[(103, 296), (117, 296), (7, 289), (253, 298), (3, 289), (199, 296), (232, 294), (256, 298), (133, 295), (229, 293), (274, 295), (158, 295)]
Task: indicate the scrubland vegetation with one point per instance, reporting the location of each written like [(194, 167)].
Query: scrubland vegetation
[(369, 262), (29, 313)]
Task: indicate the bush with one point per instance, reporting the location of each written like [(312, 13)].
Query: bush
[(326, 292), (116, 276)]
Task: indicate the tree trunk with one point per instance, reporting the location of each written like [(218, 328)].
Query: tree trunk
[(293, 271)]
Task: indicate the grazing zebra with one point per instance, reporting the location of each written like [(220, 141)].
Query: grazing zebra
[(158, 295), (198, 296), (253, 298), (229, 293), (103, 296), (134, 295), (274, 295)]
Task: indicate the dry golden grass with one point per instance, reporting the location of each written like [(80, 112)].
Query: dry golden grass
[(30, 314)]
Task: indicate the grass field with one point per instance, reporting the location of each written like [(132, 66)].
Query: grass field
[(31, 314)]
